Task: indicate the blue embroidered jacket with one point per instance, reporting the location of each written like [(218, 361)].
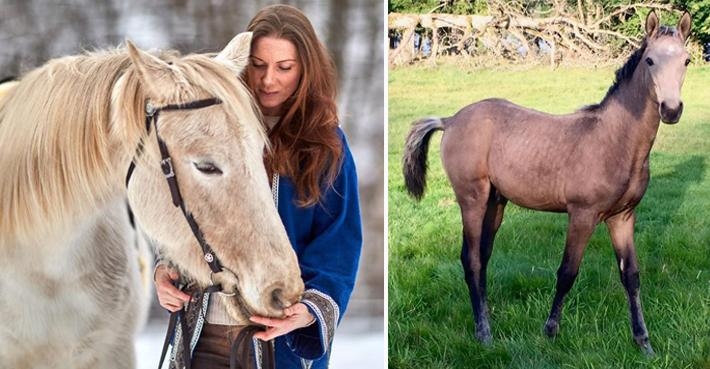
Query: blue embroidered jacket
[(327, 238)]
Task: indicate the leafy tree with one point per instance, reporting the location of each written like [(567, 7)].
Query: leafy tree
[(700, 10)]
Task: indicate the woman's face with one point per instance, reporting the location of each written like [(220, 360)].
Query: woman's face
[(273, 73)]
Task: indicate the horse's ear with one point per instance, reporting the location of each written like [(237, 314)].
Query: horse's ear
[(684, 25), (155, 75), (236, 53), (651, 24)]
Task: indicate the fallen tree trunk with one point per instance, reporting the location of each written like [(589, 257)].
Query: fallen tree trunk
[(586, 32)]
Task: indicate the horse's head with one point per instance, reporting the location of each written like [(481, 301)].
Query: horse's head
[(217, 158), (666, 60)]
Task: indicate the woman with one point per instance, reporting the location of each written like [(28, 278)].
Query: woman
[(313, 176)]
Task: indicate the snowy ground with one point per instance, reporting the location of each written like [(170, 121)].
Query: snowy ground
[(359, 343)]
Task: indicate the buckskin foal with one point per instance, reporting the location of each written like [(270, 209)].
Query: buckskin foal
[(592, 164)]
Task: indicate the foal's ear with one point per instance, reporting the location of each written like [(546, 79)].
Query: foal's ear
[(236, 53), (651, 24), (684, 25), (155, 75)]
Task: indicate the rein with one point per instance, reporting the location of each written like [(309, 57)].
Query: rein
[(246, 336)]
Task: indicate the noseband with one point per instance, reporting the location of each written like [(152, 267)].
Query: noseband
[(151, 118)]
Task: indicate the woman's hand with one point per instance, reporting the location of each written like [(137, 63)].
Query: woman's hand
[(297, 316), (169, 296)]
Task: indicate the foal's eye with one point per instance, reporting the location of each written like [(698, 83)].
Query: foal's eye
[(208, 168), (649, 61), (687, 61)]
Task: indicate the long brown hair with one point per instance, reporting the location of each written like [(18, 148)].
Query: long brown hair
[(305, 143)]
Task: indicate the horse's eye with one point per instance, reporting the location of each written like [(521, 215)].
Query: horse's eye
[(687, 61), (649, 61), (208, 168)]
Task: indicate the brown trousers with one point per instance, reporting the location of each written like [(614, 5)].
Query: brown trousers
[(214, 347)]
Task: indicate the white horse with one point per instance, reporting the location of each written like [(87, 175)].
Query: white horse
[(70, 295)]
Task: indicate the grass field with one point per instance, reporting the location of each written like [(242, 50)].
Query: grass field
[(430, 318)]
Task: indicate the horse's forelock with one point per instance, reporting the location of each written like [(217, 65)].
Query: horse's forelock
[(666, 31)]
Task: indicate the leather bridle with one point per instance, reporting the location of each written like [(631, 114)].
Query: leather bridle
[(151, 119)]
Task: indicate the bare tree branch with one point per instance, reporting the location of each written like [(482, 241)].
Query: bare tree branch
[(513, 31)]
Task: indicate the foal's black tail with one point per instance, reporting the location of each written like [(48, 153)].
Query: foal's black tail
[(414, 163)]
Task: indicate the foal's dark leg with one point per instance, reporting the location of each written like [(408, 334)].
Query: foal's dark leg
[(621, 230), (580, 228), (478, 236)]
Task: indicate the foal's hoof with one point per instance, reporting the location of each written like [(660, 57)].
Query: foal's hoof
[(483, 336), (552, 328), (645, 345), (484, 339)]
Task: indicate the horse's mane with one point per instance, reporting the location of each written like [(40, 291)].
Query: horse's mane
[(626, 72), (60, 147)]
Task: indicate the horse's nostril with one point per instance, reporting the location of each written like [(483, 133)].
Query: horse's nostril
[(669, 108), (277, 299)]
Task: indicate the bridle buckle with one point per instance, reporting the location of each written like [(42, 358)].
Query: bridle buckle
[(150, 109), (167, 166)]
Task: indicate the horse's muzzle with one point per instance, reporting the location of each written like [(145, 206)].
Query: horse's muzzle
[(671, 115), (281, 295)]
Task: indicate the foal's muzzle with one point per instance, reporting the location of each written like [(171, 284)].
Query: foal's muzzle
[(671, 115)]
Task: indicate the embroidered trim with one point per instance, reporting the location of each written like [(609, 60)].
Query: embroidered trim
[(195, 318), (200, 323), (275, 189), (306, 364), (329, 299), (257, 352), (327, 313), (176, 339)]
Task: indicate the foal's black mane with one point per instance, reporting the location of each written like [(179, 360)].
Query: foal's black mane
[(625, 73)]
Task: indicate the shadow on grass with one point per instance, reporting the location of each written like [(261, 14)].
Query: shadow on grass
[(661, 206), (673, 185)]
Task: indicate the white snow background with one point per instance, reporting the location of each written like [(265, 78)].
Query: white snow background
[(359, 343)]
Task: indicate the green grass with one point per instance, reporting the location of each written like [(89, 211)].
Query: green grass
[(430, 318)]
